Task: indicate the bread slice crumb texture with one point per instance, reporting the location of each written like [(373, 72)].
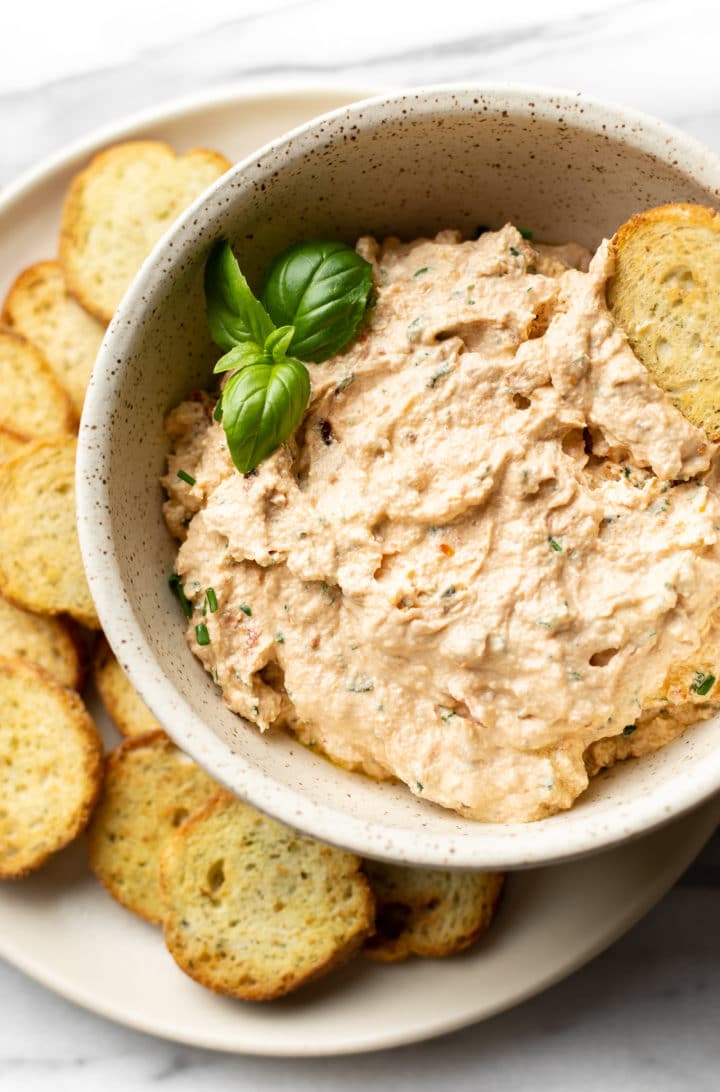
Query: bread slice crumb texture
[(126, 708), (150, 788), (40, 564), (427, 912), (253, 909), (118, 208), (46, 642), (50, 767), (33, 403), (39, 307), (664, 293)]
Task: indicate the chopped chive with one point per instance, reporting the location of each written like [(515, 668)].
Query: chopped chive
[(345, 383), (703, 683), (629, 729), (256, 711), (419, 786), (419, 272), (202, 635), (439, 374), (280, 637), (555, 545), (361, 685), (246, 609), (185, 477), (414, 328), (211, 600), (177, 588), (525, 233), (515, 252), (450, 590)]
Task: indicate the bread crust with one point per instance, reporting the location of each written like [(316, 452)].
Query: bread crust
[(663, 294), (34, 404), (211, 960), (39, 307), (84, 779), (81, 267), (135, 817), (427, 913), (49, 643), (10, 444), (41, 568), (125, 707)]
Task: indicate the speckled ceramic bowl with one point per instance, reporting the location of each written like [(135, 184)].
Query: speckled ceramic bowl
[(414, 163)]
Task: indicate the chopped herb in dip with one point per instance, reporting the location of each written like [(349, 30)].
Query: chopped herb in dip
[(345, 383), (176, 586), (361, 684), (702, 683), (201, 634), (415, 328), (185, 477), (439, 374)]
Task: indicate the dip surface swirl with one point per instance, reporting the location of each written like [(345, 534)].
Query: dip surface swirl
[(487, 564)]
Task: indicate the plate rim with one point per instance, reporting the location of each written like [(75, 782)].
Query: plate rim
[(169, 110), (704, 818)]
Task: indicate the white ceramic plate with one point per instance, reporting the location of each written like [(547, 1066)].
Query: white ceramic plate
[(63, 929)]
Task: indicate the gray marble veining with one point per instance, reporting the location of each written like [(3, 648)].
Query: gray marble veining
[(643, 53), (644, 1016)]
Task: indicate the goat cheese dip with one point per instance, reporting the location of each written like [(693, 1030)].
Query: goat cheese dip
[(487, 562)]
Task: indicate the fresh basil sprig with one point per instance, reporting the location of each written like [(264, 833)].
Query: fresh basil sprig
[(322, 289), (316, 295), (234, 316), (262, 405)]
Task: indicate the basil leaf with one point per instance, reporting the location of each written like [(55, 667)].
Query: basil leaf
[(261, 407), (276, 343), (234, 315), (239, 357), (322, 289)]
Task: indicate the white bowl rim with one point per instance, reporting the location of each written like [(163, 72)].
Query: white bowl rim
[(502, 846)]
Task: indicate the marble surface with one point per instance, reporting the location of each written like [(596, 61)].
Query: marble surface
[(646, 1013)]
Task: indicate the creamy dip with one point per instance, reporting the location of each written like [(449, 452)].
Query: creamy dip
[(487, 563)]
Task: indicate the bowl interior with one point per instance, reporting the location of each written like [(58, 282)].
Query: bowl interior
[(560, 165)]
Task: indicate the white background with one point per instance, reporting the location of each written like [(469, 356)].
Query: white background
[(646, 1015)]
